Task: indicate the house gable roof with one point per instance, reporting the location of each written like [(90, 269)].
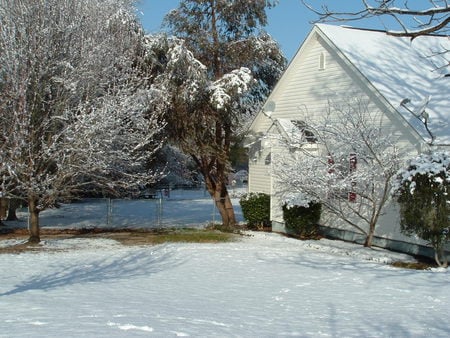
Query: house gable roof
[(402, 70)]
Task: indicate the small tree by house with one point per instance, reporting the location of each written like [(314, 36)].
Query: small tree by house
[(344, 160), (423, 189)]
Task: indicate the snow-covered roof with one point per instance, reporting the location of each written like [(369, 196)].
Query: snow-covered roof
[(400, 68)]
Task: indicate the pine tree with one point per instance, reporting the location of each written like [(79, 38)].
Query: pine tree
[(241, 63)]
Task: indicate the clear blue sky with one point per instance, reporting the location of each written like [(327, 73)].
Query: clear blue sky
[(289, 22)]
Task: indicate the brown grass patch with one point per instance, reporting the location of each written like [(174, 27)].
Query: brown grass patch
[(420, 265), (127, 237)]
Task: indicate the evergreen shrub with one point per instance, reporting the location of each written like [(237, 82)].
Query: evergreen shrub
[(423, 190), (256, 210), (303, 221)]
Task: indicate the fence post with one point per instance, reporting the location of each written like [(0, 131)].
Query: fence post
[(214, 211), (109, 212), (159, 211)]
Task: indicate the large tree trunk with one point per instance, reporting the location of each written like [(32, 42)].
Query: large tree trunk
[(219, 192), (223, 204), (33, 212)]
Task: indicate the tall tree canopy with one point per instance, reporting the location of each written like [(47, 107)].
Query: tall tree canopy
[(74, 105), (226, 65)]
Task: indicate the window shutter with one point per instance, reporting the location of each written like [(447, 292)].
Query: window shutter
[(352, 162), (352, 167)]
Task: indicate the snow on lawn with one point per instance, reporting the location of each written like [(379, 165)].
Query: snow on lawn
[(263, 285)]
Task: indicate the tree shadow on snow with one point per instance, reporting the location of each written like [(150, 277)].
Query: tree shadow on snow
[(142, 263)]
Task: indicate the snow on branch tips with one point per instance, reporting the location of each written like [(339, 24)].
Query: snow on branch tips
[(435, 166), (422, 190), (348, 168), (78, 122), (184, 69), (229, 86)]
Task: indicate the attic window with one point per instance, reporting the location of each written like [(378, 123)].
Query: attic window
[(322, 60), (307, 134)]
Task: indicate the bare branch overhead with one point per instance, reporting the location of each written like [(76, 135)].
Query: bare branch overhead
[(400, 18)]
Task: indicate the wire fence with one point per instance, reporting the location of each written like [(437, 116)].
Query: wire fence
[(177, 209)]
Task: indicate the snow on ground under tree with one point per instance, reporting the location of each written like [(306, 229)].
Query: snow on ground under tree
[(263, 285)]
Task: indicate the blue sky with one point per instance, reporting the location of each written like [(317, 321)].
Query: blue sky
[(289, 21)]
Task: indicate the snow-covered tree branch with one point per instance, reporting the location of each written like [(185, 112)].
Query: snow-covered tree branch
[(74, 104), (347, 165)]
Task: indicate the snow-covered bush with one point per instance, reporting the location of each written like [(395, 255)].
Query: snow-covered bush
[(422, 189), (302, 220), (256, 209)]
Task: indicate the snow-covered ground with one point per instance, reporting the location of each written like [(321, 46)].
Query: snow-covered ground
[(263, 285)]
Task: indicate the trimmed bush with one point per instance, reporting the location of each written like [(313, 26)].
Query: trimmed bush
[(422, 190), (302, 221), (256, 209)]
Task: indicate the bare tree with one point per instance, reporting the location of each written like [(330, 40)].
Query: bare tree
[(401, 18), (73, 104), (345, 161)]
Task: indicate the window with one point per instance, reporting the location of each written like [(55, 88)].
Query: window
[(322, 60), (340, 170), (254, 151), (352, 168), (268, 159), (307, 134)]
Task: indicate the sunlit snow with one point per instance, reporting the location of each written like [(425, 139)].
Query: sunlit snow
[(263, 285)]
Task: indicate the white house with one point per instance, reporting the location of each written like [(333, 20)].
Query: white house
[(406, 81)]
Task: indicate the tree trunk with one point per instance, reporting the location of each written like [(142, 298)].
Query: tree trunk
[(3, 207), (440, 257), (223, 204), (219, 192), (33, 211), (13, 205), (369, 238)]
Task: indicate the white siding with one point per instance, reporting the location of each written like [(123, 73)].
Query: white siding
[(304, 93), (259, 170)]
